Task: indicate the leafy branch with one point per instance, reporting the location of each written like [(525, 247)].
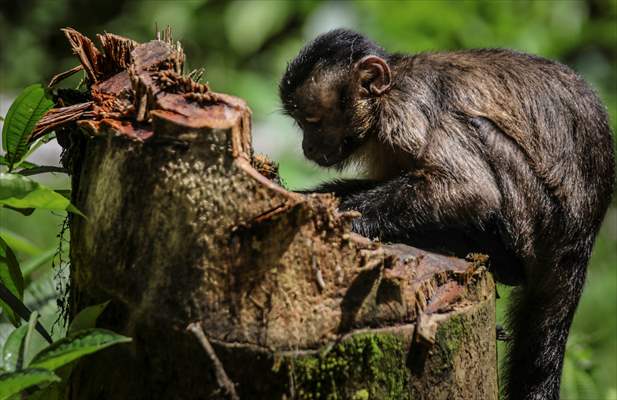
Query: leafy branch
[(39, 373), (25, 370)]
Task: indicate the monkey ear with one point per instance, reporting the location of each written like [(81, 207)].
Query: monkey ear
[(373, 76)]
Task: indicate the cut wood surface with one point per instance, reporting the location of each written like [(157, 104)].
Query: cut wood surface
[(230, 285)]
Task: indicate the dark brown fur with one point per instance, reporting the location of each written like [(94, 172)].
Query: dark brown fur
[(481, 150)]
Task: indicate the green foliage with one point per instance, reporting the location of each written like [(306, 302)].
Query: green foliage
[(15, 382), (32, 325), (87, 317), (20, 192), (18, 242), (577, 379), (76, 345), (23, 164), (38, 260), (20, 121), (17, 349), (11, 278), (25, 370), (28, 365), (14, 349)]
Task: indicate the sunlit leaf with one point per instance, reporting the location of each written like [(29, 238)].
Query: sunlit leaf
[(21, 192), (19, 243), (87, 317), (11, 279), (21, 119), (27, 355), (13, 351), (5, 331), (32, 148), (74, 346), (14, 382)]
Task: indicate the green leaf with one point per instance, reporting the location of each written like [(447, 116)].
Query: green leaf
[(5, 331), (55, 391), (41, 294), (12, 279), (12, 289), (33, 263), (23, 164), (28, 341), (13, 351), (21, 192), (14, 382), (87, 317), (74, 346), (19, 243), (21, 119), (31, 150), (22, 211)]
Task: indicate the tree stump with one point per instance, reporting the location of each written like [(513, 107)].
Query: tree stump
[(230, 285)]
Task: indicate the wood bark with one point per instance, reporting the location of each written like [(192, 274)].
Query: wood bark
[(230, 285)]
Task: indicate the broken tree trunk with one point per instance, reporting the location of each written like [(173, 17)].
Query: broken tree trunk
[(231, 286)]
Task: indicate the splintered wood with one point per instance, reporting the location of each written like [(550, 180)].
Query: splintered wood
[(186, 226)]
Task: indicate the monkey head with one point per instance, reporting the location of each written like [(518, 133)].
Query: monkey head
[(332, 90)]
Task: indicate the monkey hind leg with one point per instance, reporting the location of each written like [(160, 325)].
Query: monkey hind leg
[(540, 316)]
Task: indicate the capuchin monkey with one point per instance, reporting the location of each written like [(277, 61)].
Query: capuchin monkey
[(488, 150)]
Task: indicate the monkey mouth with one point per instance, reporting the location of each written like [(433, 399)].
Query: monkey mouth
[(324, 161), (334, 155), (327, 160)]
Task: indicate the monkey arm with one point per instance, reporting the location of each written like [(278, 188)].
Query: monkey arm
[(458, 217), (344, 188), (409, 203)]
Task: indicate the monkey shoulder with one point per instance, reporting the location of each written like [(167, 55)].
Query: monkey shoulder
[(488, 58), (504, 85), (483, 68)]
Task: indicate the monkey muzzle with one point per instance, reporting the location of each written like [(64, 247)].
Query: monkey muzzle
[(324, 155), (323, 159)]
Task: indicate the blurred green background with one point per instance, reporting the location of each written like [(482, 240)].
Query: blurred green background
[(244, 47)]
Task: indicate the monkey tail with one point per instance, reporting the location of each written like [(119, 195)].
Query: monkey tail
[(540, 316)]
